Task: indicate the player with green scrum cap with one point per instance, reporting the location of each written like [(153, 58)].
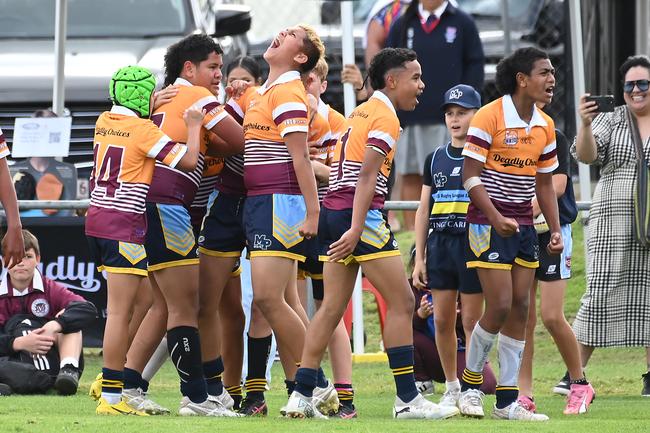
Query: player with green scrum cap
[(133, 87), (126, 144)]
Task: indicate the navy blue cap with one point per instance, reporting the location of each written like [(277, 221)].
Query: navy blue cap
[(463, 95)]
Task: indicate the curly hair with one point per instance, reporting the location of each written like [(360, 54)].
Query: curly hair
[(194, 48), (384, 61), (522, 60)]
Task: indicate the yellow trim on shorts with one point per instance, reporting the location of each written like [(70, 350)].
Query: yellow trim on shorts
[(316, 276), (346, 261), (116, 270), (173, 264), (213, 253), (237, 272), (375, 256), (301, 274), (284, 254), (526, 264), (488, 265)]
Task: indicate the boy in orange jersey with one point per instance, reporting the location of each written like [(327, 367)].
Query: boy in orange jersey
[(194, 65), (281, 207), (353, 233), (339, 345), (127, 145), (510, 155)]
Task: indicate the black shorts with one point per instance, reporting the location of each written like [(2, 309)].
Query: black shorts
[(222, 234), (377, 241), (486, 249), (118, 257), (170, 238), (446, 268), (312, 268), (557, 266)]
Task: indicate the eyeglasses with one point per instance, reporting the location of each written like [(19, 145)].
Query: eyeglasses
[(643, 85)]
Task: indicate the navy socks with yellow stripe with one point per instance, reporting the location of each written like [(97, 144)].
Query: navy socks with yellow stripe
[(235, 392), (400, 360), (478, 350), (258, 356), (212, 371), (345, 393), (112, 384), (510, 352)]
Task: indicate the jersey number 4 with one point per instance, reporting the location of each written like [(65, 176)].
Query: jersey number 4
[(109, 172)]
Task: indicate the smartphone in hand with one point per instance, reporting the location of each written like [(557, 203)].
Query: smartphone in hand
[(605, 103)]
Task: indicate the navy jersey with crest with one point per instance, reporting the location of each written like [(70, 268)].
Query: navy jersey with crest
[(449, 200)]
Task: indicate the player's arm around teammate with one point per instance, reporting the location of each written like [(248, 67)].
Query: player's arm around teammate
[(354, 233)]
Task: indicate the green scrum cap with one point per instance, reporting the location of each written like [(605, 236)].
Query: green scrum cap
[(131, 87)]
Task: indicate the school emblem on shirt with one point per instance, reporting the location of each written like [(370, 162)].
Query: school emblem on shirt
[(40, 307), (439, 180), (512, 138), (450, 34)]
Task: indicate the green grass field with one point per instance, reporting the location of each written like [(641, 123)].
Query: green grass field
[(614, 373)]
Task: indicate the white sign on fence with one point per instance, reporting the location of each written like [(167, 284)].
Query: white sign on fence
[(41, 136)]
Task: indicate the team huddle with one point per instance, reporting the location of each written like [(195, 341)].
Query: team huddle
[(182, 184)]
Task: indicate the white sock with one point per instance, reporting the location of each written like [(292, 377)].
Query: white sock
[(479, 348), (111, 397), (453, 386), (510, 352), (70, 360), (157, 360)]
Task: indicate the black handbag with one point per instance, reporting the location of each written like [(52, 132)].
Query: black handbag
[(641, 186)]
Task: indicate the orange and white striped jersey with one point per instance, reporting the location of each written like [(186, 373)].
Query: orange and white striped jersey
[(513, 152), (4, 149), (170, 185), (320, 137), (231, 179), (278, 109), (372, 125), (124, 153)]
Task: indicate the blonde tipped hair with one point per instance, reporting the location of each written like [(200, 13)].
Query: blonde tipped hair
[(313, 48), (321, 69)]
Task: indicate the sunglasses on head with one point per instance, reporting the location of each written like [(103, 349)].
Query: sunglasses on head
[(643, 85)]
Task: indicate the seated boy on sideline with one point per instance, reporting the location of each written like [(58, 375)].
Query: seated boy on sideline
[(41, 321)]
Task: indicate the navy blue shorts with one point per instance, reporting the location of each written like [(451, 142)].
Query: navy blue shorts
[(553, 267), (312, 268), (118, 257), (170, 237), (222, 234), (377, 241), (486, 249), (446, 268), (272, 223)]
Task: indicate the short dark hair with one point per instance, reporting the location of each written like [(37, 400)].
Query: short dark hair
[(384, 61), (44, 113), (194, 48), (245, 62), (522, 60), (632, 61)]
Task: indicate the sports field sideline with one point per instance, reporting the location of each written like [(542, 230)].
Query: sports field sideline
[(615, 374)]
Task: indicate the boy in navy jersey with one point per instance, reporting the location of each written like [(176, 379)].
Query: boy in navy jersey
[(439, 259)]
